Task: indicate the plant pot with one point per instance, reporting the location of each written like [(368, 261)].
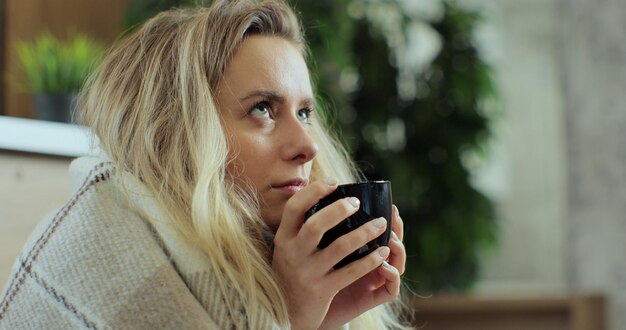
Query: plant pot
[(56, 107)]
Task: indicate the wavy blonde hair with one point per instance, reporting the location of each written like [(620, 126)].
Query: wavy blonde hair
[(151, 105)]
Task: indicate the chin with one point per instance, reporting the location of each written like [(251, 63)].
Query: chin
[(272, 221), (272, 213), (272, 224)]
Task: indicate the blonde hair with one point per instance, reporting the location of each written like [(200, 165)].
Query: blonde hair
[(151, 105)]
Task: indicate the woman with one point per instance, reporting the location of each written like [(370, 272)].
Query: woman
[(195, 216)]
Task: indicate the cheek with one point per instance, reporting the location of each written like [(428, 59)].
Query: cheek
[(246, 159)]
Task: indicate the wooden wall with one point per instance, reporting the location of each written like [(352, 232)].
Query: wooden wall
[(545, 312), (26, 19), (31, 186)]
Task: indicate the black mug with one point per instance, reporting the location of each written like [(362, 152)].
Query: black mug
[(376, 201)]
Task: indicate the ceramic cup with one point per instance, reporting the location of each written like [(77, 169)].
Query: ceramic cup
[(376, 201)]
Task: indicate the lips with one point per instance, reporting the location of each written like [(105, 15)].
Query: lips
[(298, 182), (291, 186)]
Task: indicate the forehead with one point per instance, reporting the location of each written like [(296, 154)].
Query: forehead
[(267, 63)]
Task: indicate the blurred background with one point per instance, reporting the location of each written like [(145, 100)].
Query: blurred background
[(498, 122)]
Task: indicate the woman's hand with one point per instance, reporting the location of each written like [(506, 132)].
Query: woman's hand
[(318, 295), (375, 288)]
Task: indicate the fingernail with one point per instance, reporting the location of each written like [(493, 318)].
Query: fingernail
[(355, 202), (386, 264), (330, 181), (384, 252), (380, 223), (394, 236)]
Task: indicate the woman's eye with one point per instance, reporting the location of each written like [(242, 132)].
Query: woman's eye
[(305, 115), (261, 109)]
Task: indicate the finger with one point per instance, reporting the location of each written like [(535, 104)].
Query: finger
[(396, 223), (317, 225), (391, 289), (298, 204), (348, 274), (352, 241), (373, 280), (397, 257)]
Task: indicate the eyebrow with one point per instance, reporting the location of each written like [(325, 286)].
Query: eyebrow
[(274, 97)]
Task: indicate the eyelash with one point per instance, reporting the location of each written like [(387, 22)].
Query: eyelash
[(257, 105), (267, 104), (308, 111)]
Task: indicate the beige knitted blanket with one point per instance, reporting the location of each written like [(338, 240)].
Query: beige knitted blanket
[(98, 264)]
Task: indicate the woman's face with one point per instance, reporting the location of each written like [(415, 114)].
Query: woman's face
[(266, 100)]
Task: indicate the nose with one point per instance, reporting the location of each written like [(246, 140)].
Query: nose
[(299, 144)]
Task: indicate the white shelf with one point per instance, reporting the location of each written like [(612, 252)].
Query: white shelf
[(45, 137)]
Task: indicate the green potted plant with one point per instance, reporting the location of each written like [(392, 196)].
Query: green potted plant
[(56, 70)]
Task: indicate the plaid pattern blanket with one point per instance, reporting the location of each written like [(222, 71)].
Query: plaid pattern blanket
[(98, 264)]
